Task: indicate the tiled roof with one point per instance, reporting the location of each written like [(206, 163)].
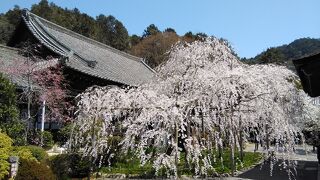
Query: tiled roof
[(14, 65), (87, 55), (9, 57)]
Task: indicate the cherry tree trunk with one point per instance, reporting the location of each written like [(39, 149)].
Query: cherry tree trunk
[(241, 141), (267, 137)]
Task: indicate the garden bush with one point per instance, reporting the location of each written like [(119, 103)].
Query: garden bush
[(47, 139), (22, 152), (9, 113), (15, 129), (30, 153), (130, 165), (70, 165), (35, 139), (33, 170), (63, 135), (5, 147), (39, 153)]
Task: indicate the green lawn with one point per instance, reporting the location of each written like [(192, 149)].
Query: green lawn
[(250, 158), (130, 165)]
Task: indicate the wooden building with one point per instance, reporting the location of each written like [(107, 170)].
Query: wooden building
[(85, 61), (308, 69)]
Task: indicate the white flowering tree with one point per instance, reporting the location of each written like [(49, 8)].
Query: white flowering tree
[(202, 100), (312, 126)]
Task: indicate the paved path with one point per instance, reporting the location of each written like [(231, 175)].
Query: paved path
[(302, 153), (306, 170), (307, 166)]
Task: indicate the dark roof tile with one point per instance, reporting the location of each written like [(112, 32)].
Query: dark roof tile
[(10, 59), (87, 55)]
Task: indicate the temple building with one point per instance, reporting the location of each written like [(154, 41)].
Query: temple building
[(308, 69), (86, 59), (85, 62)]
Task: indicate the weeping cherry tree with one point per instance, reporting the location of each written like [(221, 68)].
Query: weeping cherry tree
[(201, 101)]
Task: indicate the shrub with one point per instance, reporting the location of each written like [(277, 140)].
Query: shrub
[(39, 153), (70, 165), (30, 153), (33, 170), (8, 102), (5, 147), (130, 165), (63, 135), (47, 139), (35, 139), (16, 130), (9, 113), (23, 152)]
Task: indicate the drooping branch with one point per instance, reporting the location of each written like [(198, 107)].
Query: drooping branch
[(202, 98)]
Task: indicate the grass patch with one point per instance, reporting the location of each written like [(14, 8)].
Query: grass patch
[(130, 165), (249, 159)]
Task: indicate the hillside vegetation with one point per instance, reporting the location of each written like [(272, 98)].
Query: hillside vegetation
[(153, 42), (151, 45), (286, 53)]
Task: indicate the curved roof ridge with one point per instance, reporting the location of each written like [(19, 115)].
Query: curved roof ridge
[(10, 48), (89, 40), (49, 40), (83, 53)]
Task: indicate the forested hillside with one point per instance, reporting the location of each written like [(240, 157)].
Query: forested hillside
[(104, 28), (151, 45), (285, 53)]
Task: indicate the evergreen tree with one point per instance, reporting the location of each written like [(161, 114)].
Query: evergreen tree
[(8, 108), (9, 114), (189, 34), (6, 29), (271, 55), (83, 24), (43, 9), (134, 40), (120, 38), (112, 32), (189, 37), (13, 15), (151, 30), (170, 30), (102, 30), (286, 53)]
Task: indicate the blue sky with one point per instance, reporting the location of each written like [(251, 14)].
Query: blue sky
[(250, 25)]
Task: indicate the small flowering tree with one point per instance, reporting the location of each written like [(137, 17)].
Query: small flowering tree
[(54, 92), (44, 83), (312, 129), (202, 100)]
